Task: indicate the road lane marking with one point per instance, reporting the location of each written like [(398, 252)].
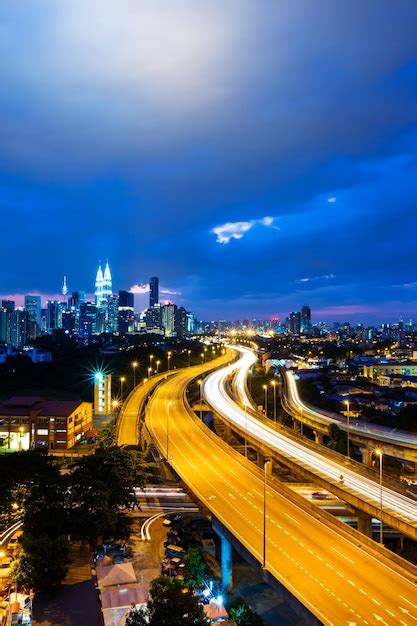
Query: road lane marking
[(343, 555), (293, 519), (409, 602), (376, 602)]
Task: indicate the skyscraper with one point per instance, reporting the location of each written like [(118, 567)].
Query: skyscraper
[(33, 307), (98, 292), (20, 329), (294, 323), (112, 318), (64, 287), (305, 319), (153, 291), (126, 312), (169, 314)]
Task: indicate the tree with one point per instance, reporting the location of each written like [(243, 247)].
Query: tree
[(137, 617), (337, 439), (196, 569), (43, 563), (171, 605), (242, 614), (107, 436)]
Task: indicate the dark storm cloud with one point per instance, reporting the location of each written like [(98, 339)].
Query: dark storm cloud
[(131, 130)]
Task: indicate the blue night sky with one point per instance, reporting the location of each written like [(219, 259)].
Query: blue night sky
[(256, 156)]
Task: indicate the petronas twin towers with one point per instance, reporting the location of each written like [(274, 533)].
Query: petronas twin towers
[(104, 287)]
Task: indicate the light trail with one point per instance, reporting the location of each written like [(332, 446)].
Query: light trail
[(216, 395)]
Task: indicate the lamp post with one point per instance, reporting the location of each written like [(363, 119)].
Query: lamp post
[(274, 386), (149, 372), (379, 453), (264, 537), (265, 388), (158, 363), (168, 418), (134, 365), (122, 380), (202, 357), (189, 357), (348, 425), (169, 360), (200, 382), (151, 357)]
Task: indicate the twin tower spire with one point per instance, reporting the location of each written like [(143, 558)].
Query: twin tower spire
[(104, 287)]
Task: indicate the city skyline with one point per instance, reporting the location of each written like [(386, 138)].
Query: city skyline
[(287, 176)]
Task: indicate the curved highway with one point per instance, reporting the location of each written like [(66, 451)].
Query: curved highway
[(216, 395), (339, 581)]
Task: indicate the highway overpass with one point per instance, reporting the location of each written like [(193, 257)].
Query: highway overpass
[(362, 492), (339, 575)]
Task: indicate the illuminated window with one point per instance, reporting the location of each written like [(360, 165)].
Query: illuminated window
[(42, 431)]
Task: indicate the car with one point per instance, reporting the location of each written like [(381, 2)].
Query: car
[(172, 518), (171, 551), (322, 495)]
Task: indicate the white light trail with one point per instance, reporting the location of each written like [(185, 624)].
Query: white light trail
[(217, 396)]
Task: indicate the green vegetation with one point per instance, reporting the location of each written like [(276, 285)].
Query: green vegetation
[(337, 439), (43, 563), (169, 605), (196, 569), (242, 614)]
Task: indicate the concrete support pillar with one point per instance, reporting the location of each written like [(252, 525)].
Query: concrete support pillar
[(366, 456), (364, 523), (226, 562), (318, 437)]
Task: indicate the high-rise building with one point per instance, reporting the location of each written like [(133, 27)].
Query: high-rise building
[(87, 320), (53, 316), (294, 323), (102, 394), (76, 299), (20, 329), (181, 322), (169, 314), (98, 291), (153, 291), (126, 312), (112, 316), (305, 319), (64, 287), (4, 326), (34, 307), (153, 319), (107, 282), (8, 306), (70, 321)]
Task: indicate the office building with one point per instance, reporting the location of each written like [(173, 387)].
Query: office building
[(102, 394), (181, 322), (169, 315), (53, 315), (306, 319), (34, 307), (153, 318), (112, 315), (8, 306), (126, 312), (87, 320), (20, 328), (153, 291), (4, 326), (294, 323)]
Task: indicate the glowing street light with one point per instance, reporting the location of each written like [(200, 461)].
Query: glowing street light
[(134, 365), (379, 453), (202, 357), (122, 380), (348, 425), (265, 388), (115, 404), (150, 359), (189, 357), (274, 386), (169, 360)]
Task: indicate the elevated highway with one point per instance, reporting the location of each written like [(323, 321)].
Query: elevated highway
[(396, 443), (332, 571), (362, 492)]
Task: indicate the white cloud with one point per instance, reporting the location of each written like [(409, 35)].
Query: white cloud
[(309, 279), (170, 292), (144, 288), (236, 230), (332, 199)]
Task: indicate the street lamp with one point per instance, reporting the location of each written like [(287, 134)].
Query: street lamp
[(149, 372), (265, 388), (134, 365), (115, 404), (122, 380), (202, 357), (264, 542), (144, 380), (189, 357), (348, 425), (274, 386), (379, 453), (168, 418), (168, 359), (150, 359), (200, 382), (158, 363)]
